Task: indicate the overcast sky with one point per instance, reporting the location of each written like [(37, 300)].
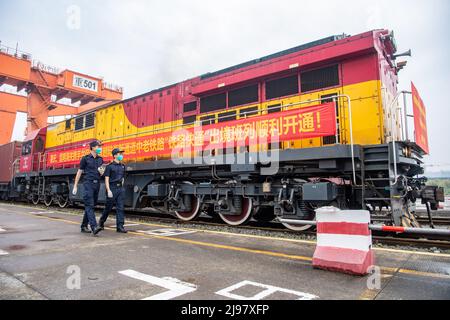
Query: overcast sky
[(143, 45)]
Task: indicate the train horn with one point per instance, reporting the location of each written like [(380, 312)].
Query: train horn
[(404, 54)]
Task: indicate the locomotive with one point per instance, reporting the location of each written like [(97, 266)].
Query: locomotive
[(276, 137)]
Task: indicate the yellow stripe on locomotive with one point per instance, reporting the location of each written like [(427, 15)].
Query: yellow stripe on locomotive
[(112, 125)]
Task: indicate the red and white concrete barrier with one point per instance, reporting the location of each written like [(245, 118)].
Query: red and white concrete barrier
[(344, 241)]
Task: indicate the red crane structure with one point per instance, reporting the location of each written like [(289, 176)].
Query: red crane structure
[(45, 87)]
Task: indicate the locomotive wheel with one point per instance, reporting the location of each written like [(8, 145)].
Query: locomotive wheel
[(35, 199), (195, 211), (237, 220), (298, 228), (63, 201), (48, 200), (191, 215)]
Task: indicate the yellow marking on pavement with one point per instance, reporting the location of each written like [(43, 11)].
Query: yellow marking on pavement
[(222, 246), (425, 274), (369, 294), (200, 243), (237, 234), (431, 254), (416, 272), (391, 270)]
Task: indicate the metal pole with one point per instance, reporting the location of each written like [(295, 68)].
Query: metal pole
[(393, 138), (423, 231), (402, 134), (405, 115), (430, 216), (350, 115), (298, 222), (393, 229), (336, 102)]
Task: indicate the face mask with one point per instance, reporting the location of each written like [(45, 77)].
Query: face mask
[(98, 150), (120, 157)]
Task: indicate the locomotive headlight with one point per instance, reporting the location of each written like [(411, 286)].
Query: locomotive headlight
[(407, 152)]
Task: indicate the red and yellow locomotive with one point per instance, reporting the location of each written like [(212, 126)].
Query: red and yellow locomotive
[(324, 114)]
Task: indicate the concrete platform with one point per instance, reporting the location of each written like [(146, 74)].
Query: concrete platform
[(44, 256)]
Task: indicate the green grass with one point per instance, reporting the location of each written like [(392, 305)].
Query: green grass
[(445, 183)]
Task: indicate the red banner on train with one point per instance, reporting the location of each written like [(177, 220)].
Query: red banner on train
[(295, 124), (420, 120)]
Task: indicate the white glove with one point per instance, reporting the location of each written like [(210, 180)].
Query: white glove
[(110, 194), (101, 170), (75, 190)]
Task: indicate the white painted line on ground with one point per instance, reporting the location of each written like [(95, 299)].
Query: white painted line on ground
[(268, 290), (3, 252), (166, 232), (41, 212), (175, 287), (125, 226)]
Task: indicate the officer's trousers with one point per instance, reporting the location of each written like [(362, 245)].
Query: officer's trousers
[(90, 197), (117, 200)]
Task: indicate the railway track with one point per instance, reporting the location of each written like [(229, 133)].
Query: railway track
[(273, 228), (441, 221)]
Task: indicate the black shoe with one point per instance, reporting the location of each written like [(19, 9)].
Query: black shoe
[(97, 231), (101, 226), (122, 230), (85, 230)]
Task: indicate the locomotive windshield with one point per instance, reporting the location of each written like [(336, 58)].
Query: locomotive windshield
[(27, 147)]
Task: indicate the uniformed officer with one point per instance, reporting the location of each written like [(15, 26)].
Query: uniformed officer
[(92, 167), (114, 180)]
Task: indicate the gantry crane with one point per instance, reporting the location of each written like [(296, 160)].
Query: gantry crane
[(44, 87)]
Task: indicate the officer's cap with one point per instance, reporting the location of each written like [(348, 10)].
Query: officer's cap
[(116, 151), (95, 143)]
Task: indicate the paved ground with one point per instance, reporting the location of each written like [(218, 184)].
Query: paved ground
[(43, 256)]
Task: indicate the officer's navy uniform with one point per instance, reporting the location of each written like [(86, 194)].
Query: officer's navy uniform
[(91, 183), (116, 173)]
